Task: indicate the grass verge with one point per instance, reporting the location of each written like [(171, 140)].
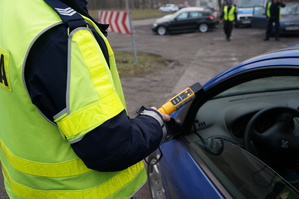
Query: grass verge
[(147, 63), (136, 14)]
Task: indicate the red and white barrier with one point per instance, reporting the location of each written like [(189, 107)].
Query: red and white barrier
[(118, 21)]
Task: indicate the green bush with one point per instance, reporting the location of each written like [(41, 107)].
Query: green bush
[(136, 14), (147, 63)]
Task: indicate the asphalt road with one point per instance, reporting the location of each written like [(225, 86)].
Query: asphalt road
[(192, 57)]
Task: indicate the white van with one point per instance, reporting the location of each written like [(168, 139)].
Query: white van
[(245, 10)]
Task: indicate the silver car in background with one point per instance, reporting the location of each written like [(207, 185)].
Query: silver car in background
[(289, 21)]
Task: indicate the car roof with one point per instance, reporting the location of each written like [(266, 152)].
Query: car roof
[(288, 56), (169, 4), (189, 9)]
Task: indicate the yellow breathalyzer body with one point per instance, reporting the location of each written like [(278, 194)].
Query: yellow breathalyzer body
[(180, 99)]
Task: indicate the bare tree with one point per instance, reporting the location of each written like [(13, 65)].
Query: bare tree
[(136, 4), (121, 5)]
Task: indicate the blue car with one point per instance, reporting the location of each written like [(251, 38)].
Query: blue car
[(238, 138)]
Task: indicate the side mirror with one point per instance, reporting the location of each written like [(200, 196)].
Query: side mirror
[(180, 114)]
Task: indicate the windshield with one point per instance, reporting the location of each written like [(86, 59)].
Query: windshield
[(249, 3), (168, 5), (267, 84), (243, 175), (290, 9)]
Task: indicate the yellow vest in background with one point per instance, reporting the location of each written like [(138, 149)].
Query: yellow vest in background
[(268, 13), (229, 16)]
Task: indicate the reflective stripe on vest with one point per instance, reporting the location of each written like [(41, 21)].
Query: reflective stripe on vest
[(36, 161), (101, 191), (268, 10), (88, 71), (229, 16)]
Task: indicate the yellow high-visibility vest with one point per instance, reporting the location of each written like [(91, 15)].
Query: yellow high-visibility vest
[(37, 159), (229, 16)]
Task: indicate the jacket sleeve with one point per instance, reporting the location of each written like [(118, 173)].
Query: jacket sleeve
[(114, 145), (119, 143), (282, 4)]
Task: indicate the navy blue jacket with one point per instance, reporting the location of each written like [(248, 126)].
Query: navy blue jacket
[(115, 145), (275, 9)]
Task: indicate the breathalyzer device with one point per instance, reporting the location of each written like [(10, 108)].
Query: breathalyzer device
[(180, 99)]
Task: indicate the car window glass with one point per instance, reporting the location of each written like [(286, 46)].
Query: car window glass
[(195, 14), (182, 16), (290, 9), (258, 10), (208, 10), (243, 175), (240, 172), (249, 3)]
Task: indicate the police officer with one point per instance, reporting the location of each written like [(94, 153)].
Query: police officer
[(273, 16), (229, 15), (64, 128)]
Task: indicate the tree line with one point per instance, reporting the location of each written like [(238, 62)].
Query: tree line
[(145, 4), (134, 4)]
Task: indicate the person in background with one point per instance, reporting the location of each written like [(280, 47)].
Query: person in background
[(229, 16), (65, 132), (273, 16)]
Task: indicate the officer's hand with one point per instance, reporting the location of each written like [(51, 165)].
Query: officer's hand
[(165, 117)]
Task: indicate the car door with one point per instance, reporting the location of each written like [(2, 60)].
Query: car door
[(182, 23), (207, 163), (259, 19), (196, 18)]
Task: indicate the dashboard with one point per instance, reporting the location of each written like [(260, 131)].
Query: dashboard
[(227, 117)]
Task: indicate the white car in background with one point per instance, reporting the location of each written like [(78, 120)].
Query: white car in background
[(169, 8)]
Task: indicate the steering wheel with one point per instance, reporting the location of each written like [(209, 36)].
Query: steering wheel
[(274, 140)]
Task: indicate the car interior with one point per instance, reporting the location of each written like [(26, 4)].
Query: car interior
[(254, 113)]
